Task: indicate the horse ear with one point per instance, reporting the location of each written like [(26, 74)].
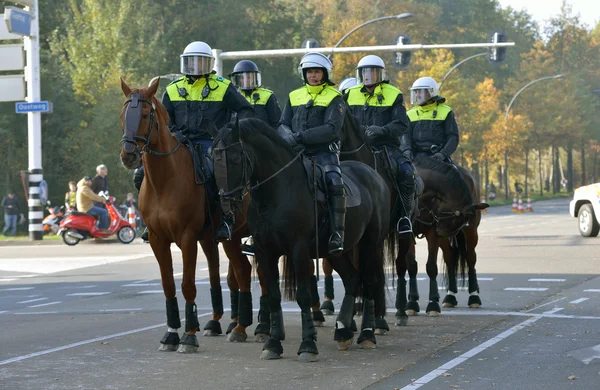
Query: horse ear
[(154, 86), (468, 210), (481, 206), (125, 88)]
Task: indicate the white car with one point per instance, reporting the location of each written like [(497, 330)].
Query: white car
[(585, 206)]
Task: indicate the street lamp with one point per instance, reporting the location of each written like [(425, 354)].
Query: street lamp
[(459, 64), (170, 76), (558, 76), (399, 16)]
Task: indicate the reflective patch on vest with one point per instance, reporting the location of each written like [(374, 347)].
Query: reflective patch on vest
[(341, 108)]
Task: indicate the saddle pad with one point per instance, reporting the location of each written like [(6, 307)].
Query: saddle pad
[(352, 193)]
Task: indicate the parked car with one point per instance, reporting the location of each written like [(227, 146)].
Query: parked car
[(585, 206)]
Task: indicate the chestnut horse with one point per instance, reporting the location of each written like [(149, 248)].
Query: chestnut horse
[(176, 208)]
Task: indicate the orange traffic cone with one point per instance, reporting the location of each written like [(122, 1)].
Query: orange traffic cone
[(529, 209), (131, 216), (484, 211), (520, 209), (514, 206)]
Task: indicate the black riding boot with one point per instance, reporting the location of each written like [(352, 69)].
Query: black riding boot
[(406, 186), (138, 178), (225, 228), (337, 202)]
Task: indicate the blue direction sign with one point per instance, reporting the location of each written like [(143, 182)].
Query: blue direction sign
[(43, 192), (17, 20), (25, 107)]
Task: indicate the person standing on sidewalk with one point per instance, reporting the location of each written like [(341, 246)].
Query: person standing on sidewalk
[(11, 213)]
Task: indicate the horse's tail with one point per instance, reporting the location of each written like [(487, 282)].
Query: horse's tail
[(289, 279), (459, 254), (390, 253)]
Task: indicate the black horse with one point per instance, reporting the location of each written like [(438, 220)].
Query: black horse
[(282, 221)]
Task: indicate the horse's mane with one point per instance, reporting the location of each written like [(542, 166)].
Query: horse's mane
[(351, 123), (254, 125), (452, 176)]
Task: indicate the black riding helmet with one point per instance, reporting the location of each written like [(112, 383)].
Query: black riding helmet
[(245, 75)]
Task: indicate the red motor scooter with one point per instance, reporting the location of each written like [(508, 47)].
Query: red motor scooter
[(78, 226)]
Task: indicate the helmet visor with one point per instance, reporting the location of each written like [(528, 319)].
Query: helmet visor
[(420, 95), (370, 75), (197, 65), (246, 80)]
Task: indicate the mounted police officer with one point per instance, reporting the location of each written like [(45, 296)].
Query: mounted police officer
[(315, 115), (197, 101), (432, 130), (379, 107), (246, 77)]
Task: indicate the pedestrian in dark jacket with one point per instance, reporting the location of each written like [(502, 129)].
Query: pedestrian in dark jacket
[(11, 213)]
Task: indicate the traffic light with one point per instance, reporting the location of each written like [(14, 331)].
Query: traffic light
[(402, 57), (497, 54)]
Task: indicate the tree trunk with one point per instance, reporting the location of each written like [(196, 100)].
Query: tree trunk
[(556, 177), (594, 166), (526, 171), (540, 169), (583, 178), (487, 176), (570, 175), (506, 174), (500, 177)]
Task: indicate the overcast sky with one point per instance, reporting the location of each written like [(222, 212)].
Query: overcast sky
[(543, 10)]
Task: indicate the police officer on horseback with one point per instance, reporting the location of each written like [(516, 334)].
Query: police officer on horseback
[(432, 130), (379, 107), (246, 77), (199, 103), (315, 114)]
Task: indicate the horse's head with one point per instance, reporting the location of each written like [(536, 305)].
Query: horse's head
[(449, 217), (139, 119)]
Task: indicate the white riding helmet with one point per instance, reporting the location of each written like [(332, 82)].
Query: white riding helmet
[(315, 60), (347, 83), (197, 59), (370, 70), (423, 90)]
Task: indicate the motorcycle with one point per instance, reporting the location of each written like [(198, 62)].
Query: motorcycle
[(78, 226), (51, 222)]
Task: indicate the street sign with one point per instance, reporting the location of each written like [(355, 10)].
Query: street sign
[(12, 88), (43, 192), (12, 57), (25, 107), (18, 21), (4, 34)]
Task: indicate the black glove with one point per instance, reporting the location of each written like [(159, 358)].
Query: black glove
[(298, 137), (286, 133), (374, 131), (439, 156), (408, 154)]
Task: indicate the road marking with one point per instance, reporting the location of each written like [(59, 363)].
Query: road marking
[(588, 290), (469, 354), (89, 294), (17, 289), (525, 289), (113, 310), (4, 311), (179, 274), (486, 279), (204, 269), (88, 286), (73, 345), (545, 304), (36, 312), (144, 281), (555, 310), (33, 300), (46, 304), (547, 280), (49, 265), (579, 300), (141, 284), (7, 280), (151, 292)]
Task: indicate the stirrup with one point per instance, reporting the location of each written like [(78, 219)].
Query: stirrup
[(248, 247), (340, 247), (228, 234), (409, 230)]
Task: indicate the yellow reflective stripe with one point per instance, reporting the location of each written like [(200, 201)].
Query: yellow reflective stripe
[(217, 84), (358, 98), (418, 114), (263, 93), (301, 96)]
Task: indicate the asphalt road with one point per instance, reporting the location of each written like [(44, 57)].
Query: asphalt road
[(91, 317)]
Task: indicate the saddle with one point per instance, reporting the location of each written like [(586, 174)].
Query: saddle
[(351, 191)]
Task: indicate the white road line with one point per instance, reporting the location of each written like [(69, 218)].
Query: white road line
[(144, 281), (485, 279), (73, 345), (141, 284), (89, 294), (7, 280), (588, 290), (17, 289), (88, 286), (112, 310), (204, 269), (547, 280), (36, 312), (179, 274), (525, 289), (555, 310), (4, 311), (46, 304), (151, 292), (33, 300), (469, 354), (579, 300), (545, 304)]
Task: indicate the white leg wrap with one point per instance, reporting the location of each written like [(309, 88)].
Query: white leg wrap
[(450, 293), (171, 330), (475, 293), (339, 325)]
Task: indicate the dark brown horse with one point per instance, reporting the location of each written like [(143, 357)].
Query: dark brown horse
[(176, 209)]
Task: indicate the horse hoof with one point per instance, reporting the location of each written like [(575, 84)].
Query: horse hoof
[(450, 301), (307, 357), (344, 345), (380, 331), (474, 305), (447, 305), (210, 333), (269, 355), (237, 337), (261, 337), (367, 344), (411, 313), (433, 313), (402, 321), (187, 348), (433, 309), (474, 301), (167, 347), (327, 308)]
